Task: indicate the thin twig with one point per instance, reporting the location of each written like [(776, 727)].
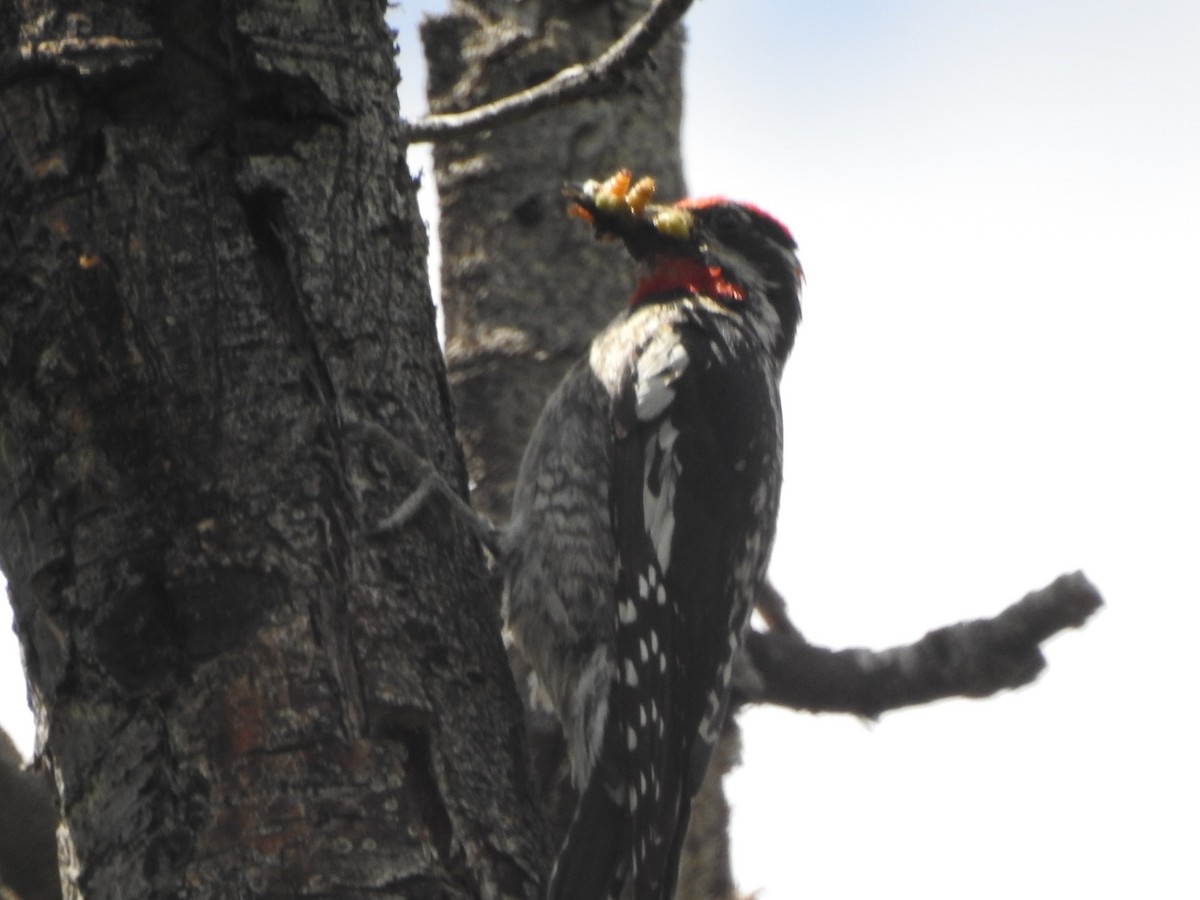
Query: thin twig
[(572, 83), (429, 483)]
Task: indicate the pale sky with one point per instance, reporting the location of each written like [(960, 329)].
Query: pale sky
[(998, 211)]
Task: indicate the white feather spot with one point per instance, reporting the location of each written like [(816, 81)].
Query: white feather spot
[(709, 726), (643, 587), (643, 650), (631, 676), (661, 467), (627, 611), (630, 738), (658, 368)]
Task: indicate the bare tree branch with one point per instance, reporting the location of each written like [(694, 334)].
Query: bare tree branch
[(970, 659), (572, 83), (772, 607)]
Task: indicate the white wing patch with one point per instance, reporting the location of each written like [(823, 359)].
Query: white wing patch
[(658, 490), (658, 368)]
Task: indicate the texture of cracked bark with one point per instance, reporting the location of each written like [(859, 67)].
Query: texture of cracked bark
[(211, 265)]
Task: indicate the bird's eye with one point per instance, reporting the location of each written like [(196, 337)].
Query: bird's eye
[(728, 219)]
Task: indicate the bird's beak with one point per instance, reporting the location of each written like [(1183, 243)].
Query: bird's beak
[(620, 207)]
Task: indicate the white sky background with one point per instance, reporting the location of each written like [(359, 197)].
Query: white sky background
[(996, 381)]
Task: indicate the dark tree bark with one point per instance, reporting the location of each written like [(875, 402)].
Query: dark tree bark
[(211, 266), (28, 850)]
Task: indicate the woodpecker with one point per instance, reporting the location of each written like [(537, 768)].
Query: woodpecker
[(643, 519)]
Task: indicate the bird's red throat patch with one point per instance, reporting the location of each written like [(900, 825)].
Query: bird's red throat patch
[(673, 274)]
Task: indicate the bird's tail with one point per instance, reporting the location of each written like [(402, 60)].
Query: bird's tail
[(590, 864)]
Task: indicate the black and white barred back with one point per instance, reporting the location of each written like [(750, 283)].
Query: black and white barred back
[(643, 522)]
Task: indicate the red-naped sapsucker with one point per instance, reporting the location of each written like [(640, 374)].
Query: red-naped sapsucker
[(643, 520)]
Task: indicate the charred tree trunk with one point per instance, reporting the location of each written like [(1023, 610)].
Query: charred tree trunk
[(211, 268), (524, 288)]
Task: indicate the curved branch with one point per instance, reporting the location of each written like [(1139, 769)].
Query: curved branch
[(970, 659), (572, 83)]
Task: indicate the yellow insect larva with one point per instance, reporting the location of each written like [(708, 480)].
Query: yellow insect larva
[(639, 195), (578, 212), (610, 196), (673, 221), (618, 183)]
